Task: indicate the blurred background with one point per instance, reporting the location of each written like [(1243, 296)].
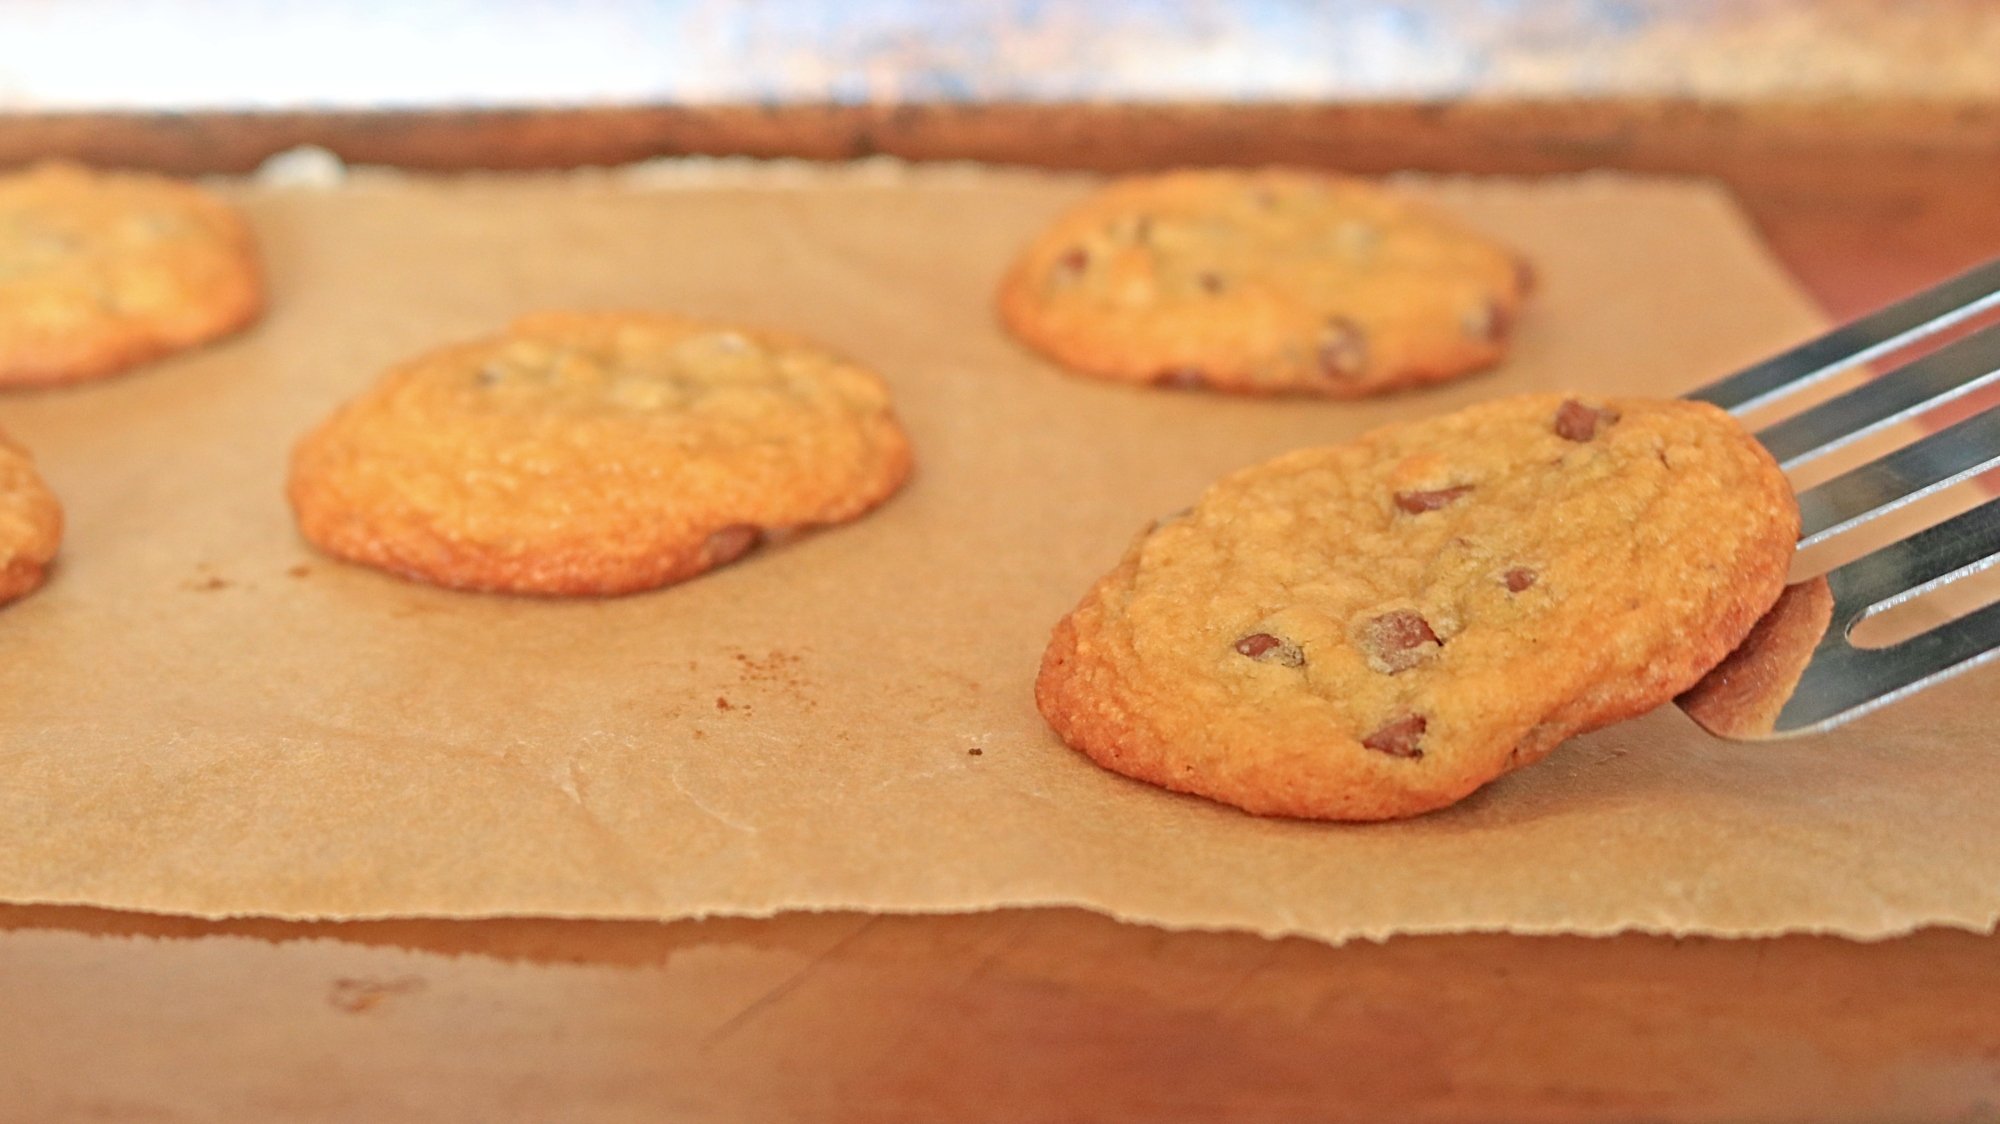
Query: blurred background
[(1858, 133), (260, 54)]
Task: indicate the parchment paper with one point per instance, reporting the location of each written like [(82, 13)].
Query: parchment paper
[(201, 716)]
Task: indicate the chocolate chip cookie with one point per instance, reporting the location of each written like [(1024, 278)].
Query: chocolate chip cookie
[(1377, 629), (1264, 282), (596, 453), (30, 523), (99, 272)]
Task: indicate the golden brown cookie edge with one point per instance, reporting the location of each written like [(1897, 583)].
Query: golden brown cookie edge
[(28, 569), (1117, 736)]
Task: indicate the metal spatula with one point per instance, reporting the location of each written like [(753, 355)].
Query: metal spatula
[(1798, 672)]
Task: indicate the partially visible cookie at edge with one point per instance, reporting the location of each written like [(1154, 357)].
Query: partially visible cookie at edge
[(1264, 282), (1377, 629), (102, 271), (31, 523), (596, 453)]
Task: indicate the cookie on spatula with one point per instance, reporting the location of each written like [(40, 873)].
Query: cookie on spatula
[(1377, 629)]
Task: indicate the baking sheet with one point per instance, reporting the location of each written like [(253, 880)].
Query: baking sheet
[(199, 715)]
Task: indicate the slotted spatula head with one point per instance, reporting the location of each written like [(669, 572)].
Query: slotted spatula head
[(1799, 672)]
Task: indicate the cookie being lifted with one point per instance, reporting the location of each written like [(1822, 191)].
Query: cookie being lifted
[(1376, 629), (595, 453), (102, 271), (31, 524), (1264, 282)]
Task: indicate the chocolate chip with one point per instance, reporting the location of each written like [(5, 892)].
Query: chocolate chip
[(1343, 349), (1181, 378), (153, 224), (490, 375), (1267, 648), (1073, 262), (729, 544), (1257, 643), (1399, 738), (1578, 422), (779, 536), (1519, 578), (1398, 641), (1358, 238), (1416, 503), (1488, 321), (1211, 283)]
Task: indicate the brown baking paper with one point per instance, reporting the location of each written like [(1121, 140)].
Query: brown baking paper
[(199, 715)]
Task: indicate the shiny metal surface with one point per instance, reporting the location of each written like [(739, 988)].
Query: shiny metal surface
[(1931, 465), (1842, 681), (1948, 373), (1875, 334)]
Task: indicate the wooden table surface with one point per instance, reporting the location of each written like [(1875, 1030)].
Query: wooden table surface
[(1046, 1014)]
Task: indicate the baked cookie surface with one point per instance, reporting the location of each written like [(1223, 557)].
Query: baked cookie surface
[(1263, 282), (30, 523), (595, 453), (100, 272), (1376, 629)]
